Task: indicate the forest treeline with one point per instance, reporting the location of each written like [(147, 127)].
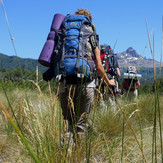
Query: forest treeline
[(26, 78), (21, 78)]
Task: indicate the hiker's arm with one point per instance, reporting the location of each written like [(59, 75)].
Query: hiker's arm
[(117, 68), (138, 83), (118, 72), (100, 68)]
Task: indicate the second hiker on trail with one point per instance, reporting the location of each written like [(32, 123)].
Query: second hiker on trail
[(75, 59), (111, 67), (131, 83)]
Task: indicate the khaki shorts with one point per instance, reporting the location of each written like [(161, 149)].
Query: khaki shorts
[(76, 105)]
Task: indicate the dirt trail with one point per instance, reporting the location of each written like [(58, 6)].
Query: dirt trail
[(11, 151)]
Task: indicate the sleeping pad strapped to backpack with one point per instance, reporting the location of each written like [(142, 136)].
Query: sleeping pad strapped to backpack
[(46, 54), (73, 53)]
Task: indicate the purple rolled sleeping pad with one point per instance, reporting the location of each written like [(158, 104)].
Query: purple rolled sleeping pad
[(48, 48)]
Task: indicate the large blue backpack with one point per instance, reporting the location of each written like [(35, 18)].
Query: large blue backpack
[(74, 53)]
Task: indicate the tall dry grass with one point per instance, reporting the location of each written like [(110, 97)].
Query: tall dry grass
[(42, 125)]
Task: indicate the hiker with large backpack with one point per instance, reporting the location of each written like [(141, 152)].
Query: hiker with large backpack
[(75, 59), (130, 83), (111, 66)]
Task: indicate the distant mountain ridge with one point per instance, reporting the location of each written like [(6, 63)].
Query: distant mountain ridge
[(12, 62), (131, 58), (126, 58)]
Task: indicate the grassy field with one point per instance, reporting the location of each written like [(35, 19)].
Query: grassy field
[(32, 127)]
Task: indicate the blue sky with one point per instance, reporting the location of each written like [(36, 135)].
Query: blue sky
[(115, 20)]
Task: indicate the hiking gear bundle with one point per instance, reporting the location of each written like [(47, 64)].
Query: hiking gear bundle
[(108, 60), (132, 73), (73, 53), (45, 57), (132, 76)]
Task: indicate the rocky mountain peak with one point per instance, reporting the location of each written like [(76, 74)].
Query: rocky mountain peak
[(130, 57), (132, 52)]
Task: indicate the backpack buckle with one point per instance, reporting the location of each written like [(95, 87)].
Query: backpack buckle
[(56, 52), (58, 78), (80, 75), (79, 72)]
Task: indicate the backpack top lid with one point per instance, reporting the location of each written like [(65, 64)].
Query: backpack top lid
[(106, 49), (76, 17)]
